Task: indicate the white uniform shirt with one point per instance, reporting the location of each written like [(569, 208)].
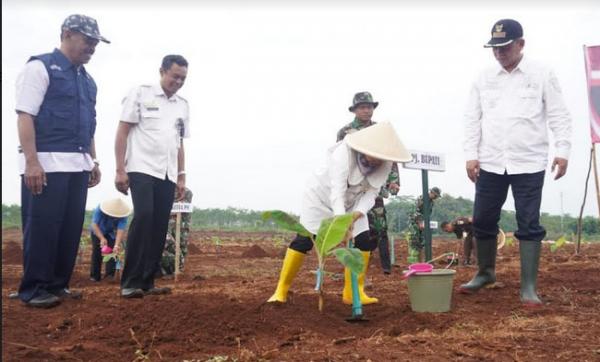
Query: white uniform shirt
[(508, 116), (31, 86), (339, 188), (153, 140)]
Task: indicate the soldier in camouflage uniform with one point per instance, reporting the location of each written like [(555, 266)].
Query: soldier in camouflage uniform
[(167, 262), (362, 107), (416, 223)]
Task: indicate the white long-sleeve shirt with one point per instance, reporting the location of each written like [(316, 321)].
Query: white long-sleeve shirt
[(508, 116), (339, 188)]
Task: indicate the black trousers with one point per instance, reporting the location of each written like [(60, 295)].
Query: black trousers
[(152, 203), (490, 194), (96, 264), (52, 224), (362, 241)]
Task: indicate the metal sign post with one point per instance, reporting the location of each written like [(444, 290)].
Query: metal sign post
[(426, 161), (179, 208)]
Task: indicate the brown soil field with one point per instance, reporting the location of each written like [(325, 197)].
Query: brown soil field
[(217, 312)]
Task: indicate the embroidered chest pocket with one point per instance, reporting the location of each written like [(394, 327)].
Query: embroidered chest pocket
[(151, 117), (530, 102)]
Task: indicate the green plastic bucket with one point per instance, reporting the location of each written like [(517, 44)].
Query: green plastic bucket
[(431, 292)]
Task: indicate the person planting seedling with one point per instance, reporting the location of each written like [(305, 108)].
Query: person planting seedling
[(107, 229), (332, 232), (355, 170)]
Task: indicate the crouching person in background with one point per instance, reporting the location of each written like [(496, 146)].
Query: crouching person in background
[(107, 229), (167, 262)]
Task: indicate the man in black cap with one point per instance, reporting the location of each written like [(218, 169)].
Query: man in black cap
[(510, 109), (362, 107), (56, 100)]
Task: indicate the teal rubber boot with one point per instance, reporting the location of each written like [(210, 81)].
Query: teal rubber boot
[(530, 261), (486, 258)]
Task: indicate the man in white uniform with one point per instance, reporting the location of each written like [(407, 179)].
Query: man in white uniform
[(150, 161), (356, 169), (510, 109)]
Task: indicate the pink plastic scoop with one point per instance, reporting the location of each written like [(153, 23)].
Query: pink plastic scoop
[(106, 249), (417, 268)]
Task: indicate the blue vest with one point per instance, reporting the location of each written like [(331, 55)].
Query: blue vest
[(66, 121)]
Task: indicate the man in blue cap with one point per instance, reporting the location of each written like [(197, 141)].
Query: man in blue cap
[(56, 100), (510, 109)]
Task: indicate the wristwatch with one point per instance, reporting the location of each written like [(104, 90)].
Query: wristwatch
[(96, 162)]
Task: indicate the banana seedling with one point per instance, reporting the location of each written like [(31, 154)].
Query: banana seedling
[(118, 257), (331, 233)]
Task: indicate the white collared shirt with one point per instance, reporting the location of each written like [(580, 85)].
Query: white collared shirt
[(508, 116), (31, 86), (339, 187), (153, 140)]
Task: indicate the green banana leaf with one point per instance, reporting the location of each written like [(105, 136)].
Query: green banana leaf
[(351, 258), (332, 232), (107, 257), (286, 222)]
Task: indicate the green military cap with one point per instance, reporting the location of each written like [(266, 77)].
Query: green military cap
[(362, 98), (436, 191)]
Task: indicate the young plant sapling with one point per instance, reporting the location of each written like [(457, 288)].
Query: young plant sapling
[(331, 233)]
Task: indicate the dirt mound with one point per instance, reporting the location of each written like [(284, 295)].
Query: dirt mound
[(193, 249), (255, 252), (12, 253)]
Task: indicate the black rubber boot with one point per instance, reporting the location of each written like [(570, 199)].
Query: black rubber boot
[(530, 261), (486, 258), (384, 253)]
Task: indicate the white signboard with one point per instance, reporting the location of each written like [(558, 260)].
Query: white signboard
[(433, 224), (423, 160), (183, 207)]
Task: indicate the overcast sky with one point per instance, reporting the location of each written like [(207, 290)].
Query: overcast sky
[(270, 85)]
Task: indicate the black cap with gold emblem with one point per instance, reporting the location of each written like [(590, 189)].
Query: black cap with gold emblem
[(504, 32)]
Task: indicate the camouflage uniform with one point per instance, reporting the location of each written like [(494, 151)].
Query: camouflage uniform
[(167, 262), (377, 215), (415, 220)]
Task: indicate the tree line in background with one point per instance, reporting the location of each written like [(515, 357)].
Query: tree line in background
[(398, 209)]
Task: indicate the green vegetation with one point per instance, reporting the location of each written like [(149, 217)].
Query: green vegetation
[(445, 209), (332, 232)]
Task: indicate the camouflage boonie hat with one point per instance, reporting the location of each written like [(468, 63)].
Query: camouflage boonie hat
[(362, 98), (436, 191), (85, 25)]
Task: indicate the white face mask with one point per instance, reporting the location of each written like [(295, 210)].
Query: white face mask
[(363, 165)]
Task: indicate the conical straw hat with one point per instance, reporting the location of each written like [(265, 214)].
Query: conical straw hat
[(115, 208), (380, 141)]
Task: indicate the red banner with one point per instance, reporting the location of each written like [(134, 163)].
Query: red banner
[(592, 67)]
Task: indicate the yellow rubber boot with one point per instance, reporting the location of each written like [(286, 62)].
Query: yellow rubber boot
[(291, 264), (347, 293)]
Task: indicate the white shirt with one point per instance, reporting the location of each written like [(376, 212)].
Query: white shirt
[(32, 84), (339, 188), (153, 140), (508, 116)]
